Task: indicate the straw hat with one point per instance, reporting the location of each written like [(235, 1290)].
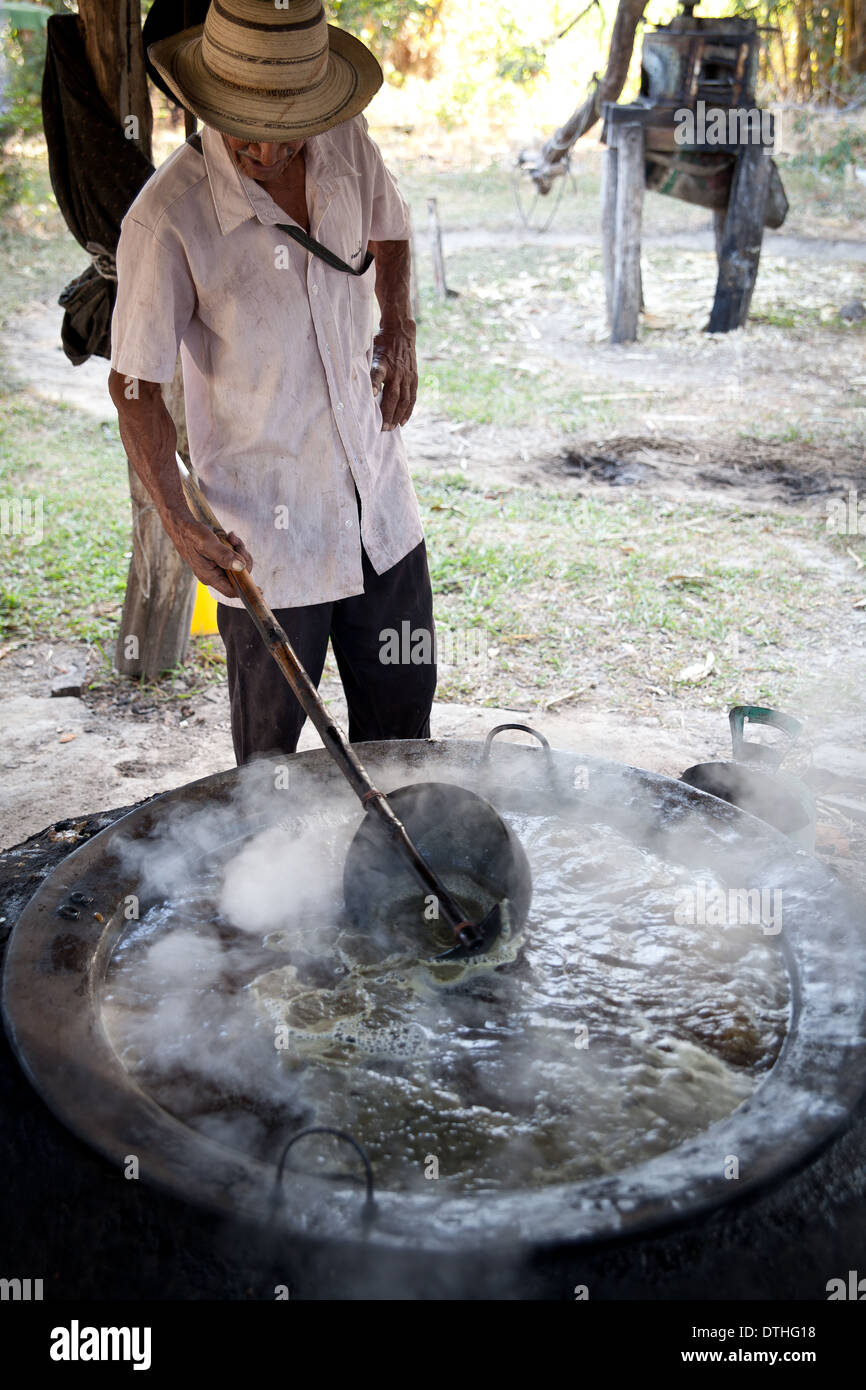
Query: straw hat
[(270, 70)]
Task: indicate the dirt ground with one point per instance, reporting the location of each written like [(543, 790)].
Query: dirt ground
[(69, 756)]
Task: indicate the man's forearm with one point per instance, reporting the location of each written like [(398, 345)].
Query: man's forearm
[(394, 370), (393, 283), (150, 440)]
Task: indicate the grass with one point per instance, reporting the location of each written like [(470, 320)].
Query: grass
[(473, 353), (72, 580), (566, 590), (68, 583), (484, 359), (37, 253), (572, 591)]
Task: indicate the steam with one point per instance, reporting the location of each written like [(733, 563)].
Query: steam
[(276, 879)]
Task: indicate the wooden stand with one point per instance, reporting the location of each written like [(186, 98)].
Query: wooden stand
[(739, 229)]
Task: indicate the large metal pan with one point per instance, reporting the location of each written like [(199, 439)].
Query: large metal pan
[(63, 941)]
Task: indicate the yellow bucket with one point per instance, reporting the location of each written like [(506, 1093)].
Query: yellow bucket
[(204, 614)]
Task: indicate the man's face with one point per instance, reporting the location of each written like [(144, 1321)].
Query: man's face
[(261, 161)]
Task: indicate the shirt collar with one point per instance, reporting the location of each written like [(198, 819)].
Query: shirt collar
[(236, 198)]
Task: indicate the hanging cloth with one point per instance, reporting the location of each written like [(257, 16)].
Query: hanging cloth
[(96, 173)]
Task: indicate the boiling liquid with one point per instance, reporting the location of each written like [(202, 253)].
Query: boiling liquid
[(603, 1035)]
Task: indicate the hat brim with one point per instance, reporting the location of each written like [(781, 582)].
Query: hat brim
[(352, 80)]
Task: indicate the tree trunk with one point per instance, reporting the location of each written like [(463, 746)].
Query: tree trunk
[(628, 16), (854, 38), (803, 64), (112, 42), (160, 589), (608, 88), (847, 35)]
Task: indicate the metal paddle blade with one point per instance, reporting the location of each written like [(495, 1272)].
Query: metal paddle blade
[(466, 844), (478, 938)]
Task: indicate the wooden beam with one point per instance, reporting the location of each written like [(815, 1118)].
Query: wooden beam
[(741, 240), (630, 190)]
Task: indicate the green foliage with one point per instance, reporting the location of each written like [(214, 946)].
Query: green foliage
[(516, 59), (396, 30), (522, 65), (386, 17), (850, 148), (809, 49), (23, 59), (24, 55)]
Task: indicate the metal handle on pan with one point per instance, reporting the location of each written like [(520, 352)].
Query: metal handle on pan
[(523, 729), (744, 751), (368, 1211)]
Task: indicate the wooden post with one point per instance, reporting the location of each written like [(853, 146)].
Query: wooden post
[(160, 588), (630, 189), (608, 223), (414, 297), (741, 240), (436, 248), (112, 43)]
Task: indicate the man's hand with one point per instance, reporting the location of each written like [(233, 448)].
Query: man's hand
[(394, 372), (207, 556)]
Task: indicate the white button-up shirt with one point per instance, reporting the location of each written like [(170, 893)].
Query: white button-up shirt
[(276, 349)]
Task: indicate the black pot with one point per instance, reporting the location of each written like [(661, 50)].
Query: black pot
[(753, 781)]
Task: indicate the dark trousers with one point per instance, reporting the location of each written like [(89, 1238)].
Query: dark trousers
[(386, 698)]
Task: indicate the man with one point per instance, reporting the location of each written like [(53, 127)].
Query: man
[(293, 406)]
